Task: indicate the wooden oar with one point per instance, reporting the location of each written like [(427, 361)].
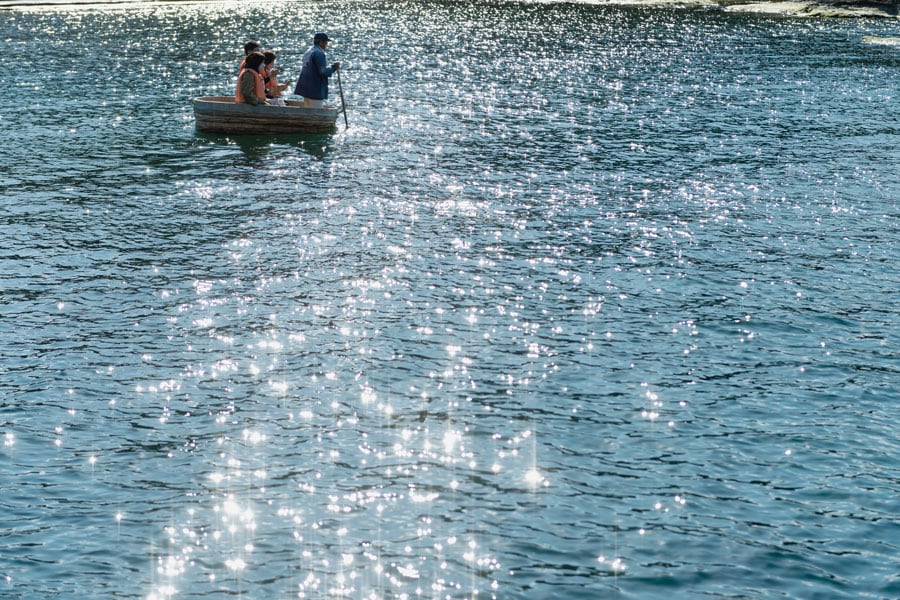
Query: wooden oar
[(343, 104)]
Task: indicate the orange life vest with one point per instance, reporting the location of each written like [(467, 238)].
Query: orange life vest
[(260, 89)]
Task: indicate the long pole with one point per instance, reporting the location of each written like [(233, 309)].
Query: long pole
[(343, 104)]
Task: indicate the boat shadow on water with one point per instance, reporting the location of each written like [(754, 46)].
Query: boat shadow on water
[(258, 148)]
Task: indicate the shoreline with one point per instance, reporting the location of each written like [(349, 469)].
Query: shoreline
[(809, 8), (788, 8)]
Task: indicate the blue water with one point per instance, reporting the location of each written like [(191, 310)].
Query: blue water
[(587, 302)]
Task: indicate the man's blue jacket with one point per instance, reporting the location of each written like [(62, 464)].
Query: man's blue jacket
[(313, 80)]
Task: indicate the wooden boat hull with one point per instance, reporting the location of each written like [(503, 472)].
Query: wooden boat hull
[(221, 114)]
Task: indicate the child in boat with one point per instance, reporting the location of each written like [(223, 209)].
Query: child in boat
[(270, 77)]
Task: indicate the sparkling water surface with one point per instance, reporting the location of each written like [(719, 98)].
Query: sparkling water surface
[(587, 302)]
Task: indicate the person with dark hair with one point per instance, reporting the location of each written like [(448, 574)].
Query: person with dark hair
[(270, 78), (313, 81), (251, 89), (249, 47)]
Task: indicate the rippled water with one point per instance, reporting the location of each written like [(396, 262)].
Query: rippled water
[(588, 302)]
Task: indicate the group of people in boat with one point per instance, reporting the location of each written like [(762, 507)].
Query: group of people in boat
[(258, 76)]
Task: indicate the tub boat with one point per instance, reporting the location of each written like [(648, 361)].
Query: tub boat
[(221, 114)]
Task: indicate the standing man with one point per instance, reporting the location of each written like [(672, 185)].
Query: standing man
[(313, 81)]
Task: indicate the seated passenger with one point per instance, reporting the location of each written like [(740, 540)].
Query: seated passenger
[(251, 46), (270, 78), (250, 87)]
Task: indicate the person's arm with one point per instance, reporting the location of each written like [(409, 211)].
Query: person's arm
[(322, 66), (277, 86)]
